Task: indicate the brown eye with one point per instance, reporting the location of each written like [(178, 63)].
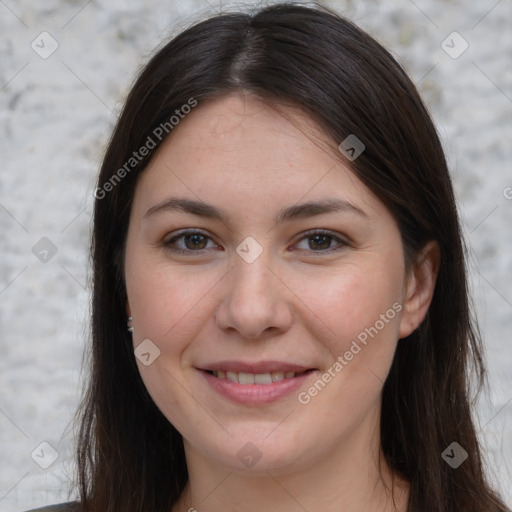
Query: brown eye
[(194, 241), (188, 242), (320, 241)]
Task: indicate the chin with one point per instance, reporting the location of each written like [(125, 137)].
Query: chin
[(256, 454)]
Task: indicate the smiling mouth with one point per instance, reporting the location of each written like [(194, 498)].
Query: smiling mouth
[(255, 378)]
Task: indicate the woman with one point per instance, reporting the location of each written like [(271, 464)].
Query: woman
[(280, 308)]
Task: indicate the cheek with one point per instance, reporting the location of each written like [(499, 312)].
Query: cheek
[(165, 303), (362, 312), (355, 301), (167, 309)]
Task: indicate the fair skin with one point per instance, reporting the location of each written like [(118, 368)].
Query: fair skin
[(298, 302)]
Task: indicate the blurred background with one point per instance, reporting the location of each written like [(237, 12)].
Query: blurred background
[(66, 66)]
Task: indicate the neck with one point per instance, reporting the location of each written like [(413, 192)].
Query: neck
[(352, 477)]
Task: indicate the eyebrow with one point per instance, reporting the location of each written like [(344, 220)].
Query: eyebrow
[(297, 211)]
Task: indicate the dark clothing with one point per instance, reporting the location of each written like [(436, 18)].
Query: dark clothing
[(63, 507)]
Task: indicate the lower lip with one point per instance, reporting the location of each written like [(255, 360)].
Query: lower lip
[(255, 394)]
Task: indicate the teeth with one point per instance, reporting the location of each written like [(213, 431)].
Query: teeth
[(263, 378), (246, 378), (277, 376), (231, 376), (253, 378)]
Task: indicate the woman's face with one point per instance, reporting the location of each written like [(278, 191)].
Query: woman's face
[(268, 324)]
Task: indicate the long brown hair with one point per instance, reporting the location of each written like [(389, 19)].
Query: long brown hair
[(129, 456)]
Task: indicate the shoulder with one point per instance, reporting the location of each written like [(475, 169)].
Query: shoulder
[(63, 507)]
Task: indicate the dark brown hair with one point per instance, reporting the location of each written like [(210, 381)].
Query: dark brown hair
[(129, 456)]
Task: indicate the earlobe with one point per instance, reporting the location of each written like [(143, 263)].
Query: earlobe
[(128, 309), (420, 288)]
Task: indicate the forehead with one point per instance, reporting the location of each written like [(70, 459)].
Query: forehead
[(241, 125), (239, 148)]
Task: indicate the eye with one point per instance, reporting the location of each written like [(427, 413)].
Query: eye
[(188, 241), (320, 241), (194, 241)]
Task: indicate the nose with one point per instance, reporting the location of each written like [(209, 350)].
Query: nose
[(255, 301)]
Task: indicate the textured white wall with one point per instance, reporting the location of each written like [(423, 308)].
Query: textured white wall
[(56, 115)]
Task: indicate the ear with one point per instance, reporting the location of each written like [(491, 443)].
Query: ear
[(128, 310), (419, 289)]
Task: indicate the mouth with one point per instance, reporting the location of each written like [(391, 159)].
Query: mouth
[(246, 378), (253, 384)]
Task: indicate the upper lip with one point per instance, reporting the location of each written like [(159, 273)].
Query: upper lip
[(259, 367)]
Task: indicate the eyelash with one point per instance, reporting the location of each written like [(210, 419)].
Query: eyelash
[(169, 243)]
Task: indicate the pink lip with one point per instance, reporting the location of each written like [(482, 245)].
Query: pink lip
[(254, 394)]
